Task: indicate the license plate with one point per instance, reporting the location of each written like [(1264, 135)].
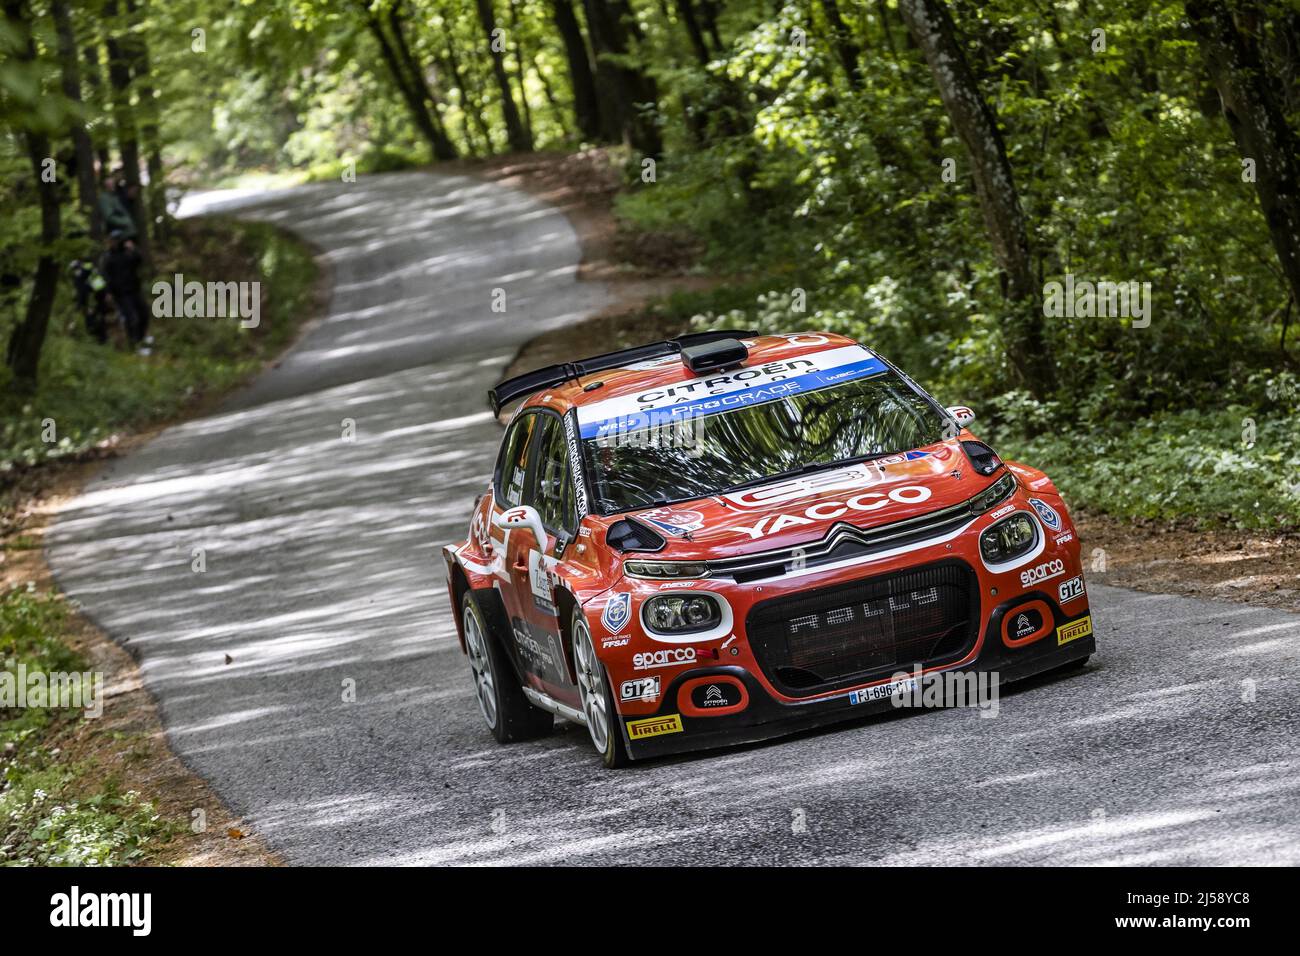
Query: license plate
[(882, 691)]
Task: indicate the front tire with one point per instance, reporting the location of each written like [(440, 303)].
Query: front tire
[(597, 700), (502, 703)]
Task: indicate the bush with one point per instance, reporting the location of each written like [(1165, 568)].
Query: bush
[(88, 391)]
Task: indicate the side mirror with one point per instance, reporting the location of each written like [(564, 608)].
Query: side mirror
[(962, 415), (522, 517)]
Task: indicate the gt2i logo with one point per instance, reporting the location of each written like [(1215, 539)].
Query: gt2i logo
[(870, 501), (674, 657), (1043, 572), (1069, 590), (642, 688)]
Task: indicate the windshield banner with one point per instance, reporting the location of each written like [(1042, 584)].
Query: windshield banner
[(682, 401)]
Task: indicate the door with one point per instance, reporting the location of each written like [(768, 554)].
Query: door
[(541, 452)]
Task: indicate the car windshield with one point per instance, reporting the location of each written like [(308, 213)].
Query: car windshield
[(711, 454)]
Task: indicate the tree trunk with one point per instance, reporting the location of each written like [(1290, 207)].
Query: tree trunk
[(415, 101), (520, 71), (686, 10), (885, 28), (155, 197), (95, 80), (709, 11), (1004, 219), (626, 92), (87, 191), (28, 337), (128, 143), (471, 110), (549, 93), (515, 132), (442, 144), (1258, 125), (845, 48), (585, 106)]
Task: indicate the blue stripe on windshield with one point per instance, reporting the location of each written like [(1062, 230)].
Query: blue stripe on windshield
[(716, 404)]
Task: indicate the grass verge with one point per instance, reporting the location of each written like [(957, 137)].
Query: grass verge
[(74, 789), (54, 812), (87, 391)]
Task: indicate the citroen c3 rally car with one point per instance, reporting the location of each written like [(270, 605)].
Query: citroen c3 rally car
[(731, 536)]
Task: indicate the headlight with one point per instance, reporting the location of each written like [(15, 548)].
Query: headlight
[(1008, 539), (994, 493), (682, 613), (666, 569)]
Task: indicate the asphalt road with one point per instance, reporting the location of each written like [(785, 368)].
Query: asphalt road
[(1176, 745)]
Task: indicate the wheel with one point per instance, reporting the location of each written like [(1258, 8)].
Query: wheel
[(597, 701), (502, 703)]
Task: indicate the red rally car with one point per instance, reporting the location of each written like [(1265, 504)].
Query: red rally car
[(731, 536)]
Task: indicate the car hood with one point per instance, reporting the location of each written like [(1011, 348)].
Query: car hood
[(800, 510)]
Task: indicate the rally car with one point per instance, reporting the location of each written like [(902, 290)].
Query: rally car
[(730, 536)]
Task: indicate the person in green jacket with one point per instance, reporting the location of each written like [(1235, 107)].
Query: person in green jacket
[(113, 211)]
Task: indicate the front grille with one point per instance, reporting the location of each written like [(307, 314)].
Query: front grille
[(844, 542), (842, 635)]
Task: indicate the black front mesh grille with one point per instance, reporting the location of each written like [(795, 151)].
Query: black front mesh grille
[(840, 635)]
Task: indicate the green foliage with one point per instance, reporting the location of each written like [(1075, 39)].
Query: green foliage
[(1126, 170), (29, 627), (844, 186), (46, 821), (52, 812), (89, 391), (1190, 465)]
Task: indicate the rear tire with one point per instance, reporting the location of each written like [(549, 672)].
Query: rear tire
[(502, 703), (597, 700)]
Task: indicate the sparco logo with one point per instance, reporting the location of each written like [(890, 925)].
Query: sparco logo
[(826, 510), (1041, 573), (665, 658)]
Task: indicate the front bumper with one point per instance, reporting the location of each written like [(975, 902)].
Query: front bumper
[(675, 729)]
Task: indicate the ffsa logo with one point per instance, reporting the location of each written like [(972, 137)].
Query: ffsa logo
[(74, 908)]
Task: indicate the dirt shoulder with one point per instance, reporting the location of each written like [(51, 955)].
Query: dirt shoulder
[(1246, 567), (1249, 568)]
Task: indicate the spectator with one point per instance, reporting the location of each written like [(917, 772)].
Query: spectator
[(121, 270), (92, 297), (114, 211)]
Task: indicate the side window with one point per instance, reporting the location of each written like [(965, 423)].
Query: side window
[(551, 492), (512, 469)]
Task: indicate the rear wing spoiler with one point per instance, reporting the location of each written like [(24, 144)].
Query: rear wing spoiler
[(530, 382)]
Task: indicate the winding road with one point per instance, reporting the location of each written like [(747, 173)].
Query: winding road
[(1177, 745)]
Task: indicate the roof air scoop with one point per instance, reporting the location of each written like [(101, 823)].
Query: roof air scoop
[(712, 356)]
